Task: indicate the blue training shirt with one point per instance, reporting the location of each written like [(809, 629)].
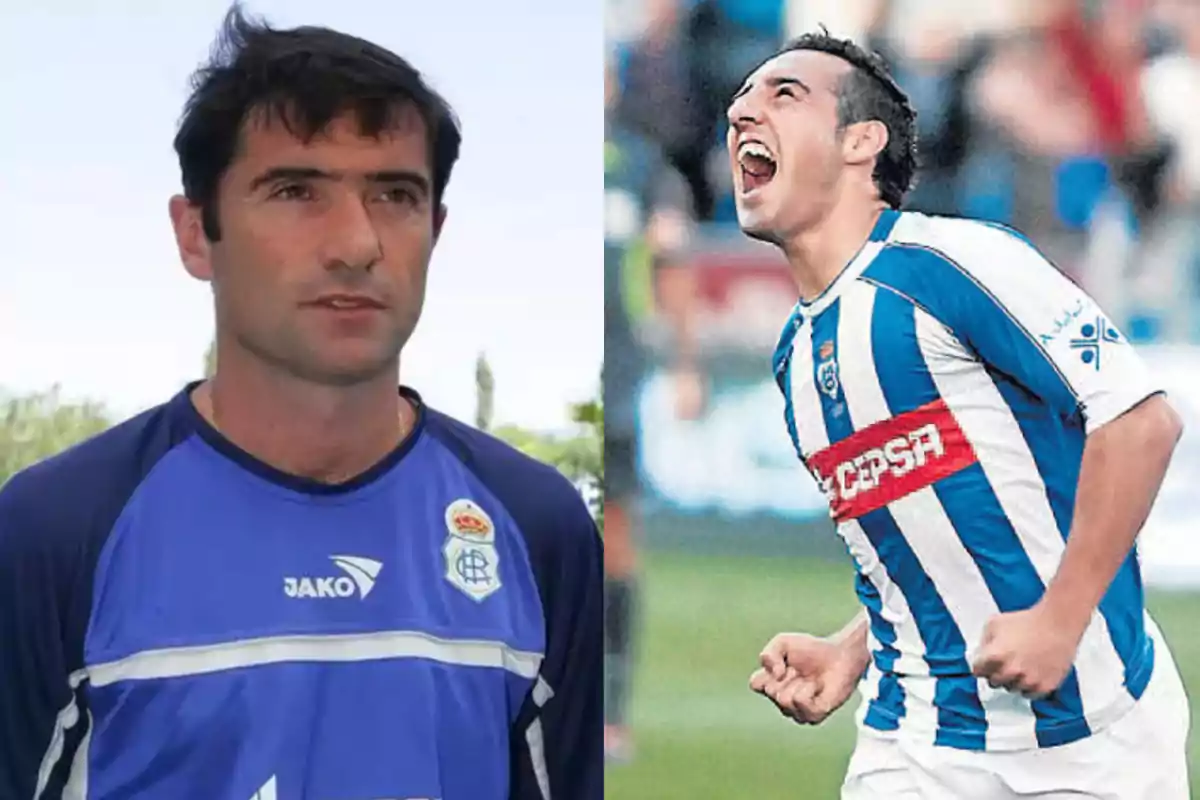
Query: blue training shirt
[(180, 620)]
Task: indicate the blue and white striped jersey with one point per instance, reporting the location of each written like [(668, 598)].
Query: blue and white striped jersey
[(179, 621), (940, 392)]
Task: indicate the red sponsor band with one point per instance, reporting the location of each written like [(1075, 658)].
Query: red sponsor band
[(890, 460)]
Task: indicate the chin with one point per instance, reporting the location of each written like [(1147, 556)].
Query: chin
[(348, 366), (347, 374), (757, 226)]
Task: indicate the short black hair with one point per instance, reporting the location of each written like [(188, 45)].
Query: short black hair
[(869, 92), (304, 78)]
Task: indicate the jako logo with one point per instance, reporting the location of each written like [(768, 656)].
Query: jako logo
[(360, 576)]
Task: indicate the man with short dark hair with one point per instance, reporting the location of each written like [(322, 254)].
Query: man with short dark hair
[(990, 447), (294, 580)]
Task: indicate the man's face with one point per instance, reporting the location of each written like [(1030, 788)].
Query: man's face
[(784, 145), (324, 246)]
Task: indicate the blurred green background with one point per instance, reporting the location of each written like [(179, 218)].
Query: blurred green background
[(700, 734)]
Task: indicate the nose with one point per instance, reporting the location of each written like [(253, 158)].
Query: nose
[(743, 113), (351, 240)]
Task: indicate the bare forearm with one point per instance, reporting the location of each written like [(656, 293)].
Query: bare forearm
[(853, 639), (1122, 470)]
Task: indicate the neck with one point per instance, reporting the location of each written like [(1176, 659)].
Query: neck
[(326, 433), (818, 253)]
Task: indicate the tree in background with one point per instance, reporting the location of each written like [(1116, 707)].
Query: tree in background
[(578, 455), (485, 393), (590, 416), (37, 426)]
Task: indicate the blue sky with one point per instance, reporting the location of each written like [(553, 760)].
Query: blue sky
[(92, 294)]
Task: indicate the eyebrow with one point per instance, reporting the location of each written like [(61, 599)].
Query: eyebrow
[(277, 174), (775, 83)]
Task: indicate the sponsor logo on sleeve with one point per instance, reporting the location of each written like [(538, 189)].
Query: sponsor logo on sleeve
[(1093, 338)]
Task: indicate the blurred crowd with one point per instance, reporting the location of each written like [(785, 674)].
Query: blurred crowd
[(1075, 121)]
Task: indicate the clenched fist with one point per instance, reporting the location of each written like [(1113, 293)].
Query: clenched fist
[(1029, 652)]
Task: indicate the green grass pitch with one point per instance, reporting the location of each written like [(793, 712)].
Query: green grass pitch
[(699, 732)]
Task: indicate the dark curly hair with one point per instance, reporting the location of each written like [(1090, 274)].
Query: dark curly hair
[(304, 78), (869, 92)]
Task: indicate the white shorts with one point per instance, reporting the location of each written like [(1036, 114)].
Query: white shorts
[(1141, 756)]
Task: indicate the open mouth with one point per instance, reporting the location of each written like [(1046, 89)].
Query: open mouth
[(758, 166)]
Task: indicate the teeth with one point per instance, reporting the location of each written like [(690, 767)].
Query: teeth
[(755, 149)]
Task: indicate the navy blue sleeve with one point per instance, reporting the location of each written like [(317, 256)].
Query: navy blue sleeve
[(558, 738), (54, 519), (37, 652)]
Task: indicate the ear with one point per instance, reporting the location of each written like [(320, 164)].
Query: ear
[(439, 219), (864, 141), (194, 248)]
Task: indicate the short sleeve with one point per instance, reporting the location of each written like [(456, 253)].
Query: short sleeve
[(1020, 316), (1030, 321)]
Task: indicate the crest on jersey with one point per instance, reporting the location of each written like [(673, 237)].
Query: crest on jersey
[(827, 378), (466, 519), (472, 561)]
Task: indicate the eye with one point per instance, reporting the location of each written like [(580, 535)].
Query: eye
[(292, 191), (785, 91), (401, 195)]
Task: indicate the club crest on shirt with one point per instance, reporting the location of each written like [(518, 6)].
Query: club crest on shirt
[(472, 561), (465, 518), (827, 378)]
